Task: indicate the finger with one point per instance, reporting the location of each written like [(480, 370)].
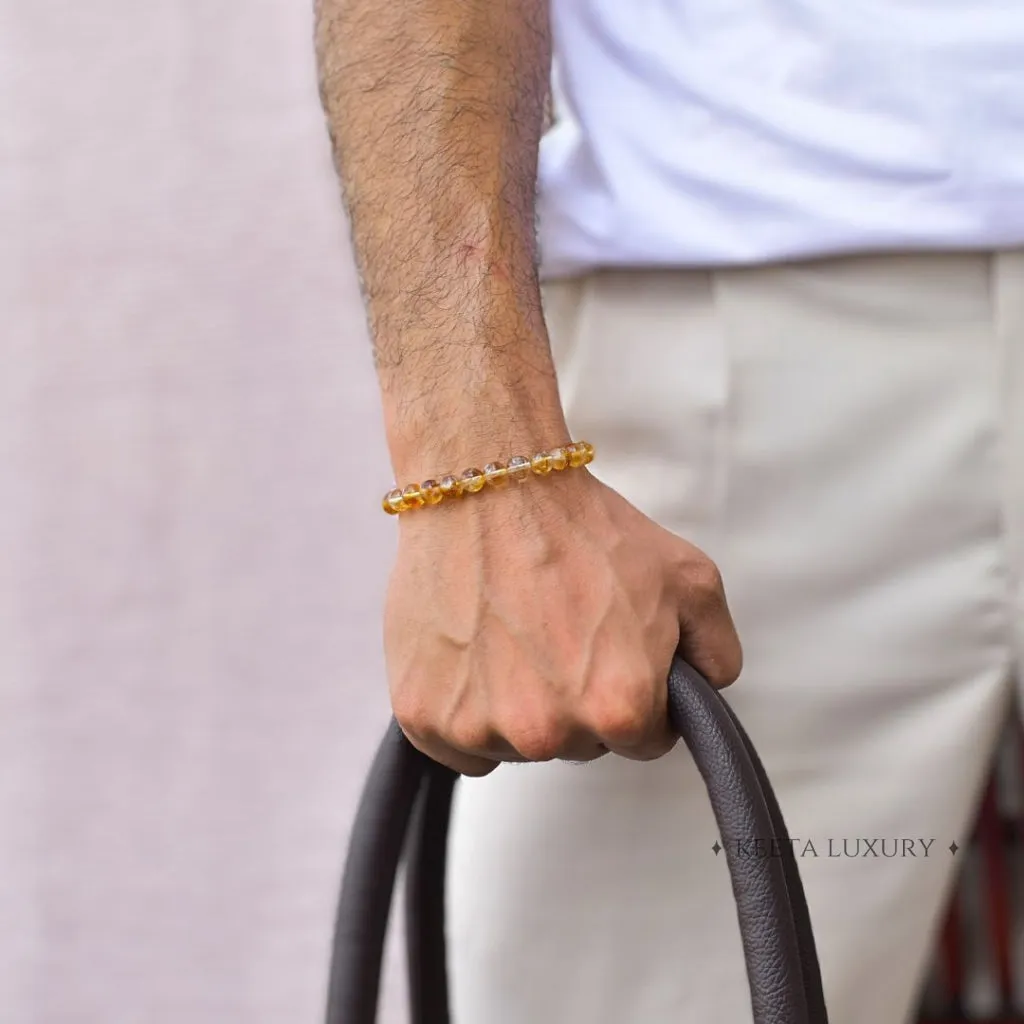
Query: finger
[(474, 748), (707, 634), (529, 724), (580, 750), (539, 735), (658, 745), (636, 728), (471, 765)]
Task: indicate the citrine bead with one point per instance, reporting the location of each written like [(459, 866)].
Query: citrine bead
[(519, 468), (431, 491), (495, 474), (577, 455), (412, 497), (451, 486), (541, 463), (394, 502), (559, 458)]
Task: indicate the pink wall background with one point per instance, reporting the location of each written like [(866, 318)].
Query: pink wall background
[(192, 558)]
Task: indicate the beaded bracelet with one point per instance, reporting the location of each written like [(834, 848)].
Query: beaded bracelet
[(494, 474)]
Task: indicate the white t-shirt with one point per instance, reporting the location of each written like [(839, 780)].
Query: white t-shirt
[(717, 132)]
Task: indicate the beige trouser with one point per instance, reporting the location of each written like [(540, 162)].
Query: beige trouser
[(846, 439)]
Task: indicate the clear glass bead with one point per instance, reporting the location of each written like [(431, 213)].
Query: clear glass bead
[(412, 496), (519, 468), (472, 480)]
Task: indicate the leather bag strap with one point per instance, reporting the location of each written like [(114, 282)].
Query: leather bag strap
[(409, 795)]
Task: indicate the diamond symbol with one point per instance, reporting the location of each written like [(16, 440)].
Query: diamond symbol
[(953, 847), (717, 848)]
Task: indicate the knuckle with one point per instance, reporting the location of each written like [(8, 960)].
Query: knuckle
[(412, 715), (468, 734), (544, 740), (622, 722), (419, 720), (706, 582)]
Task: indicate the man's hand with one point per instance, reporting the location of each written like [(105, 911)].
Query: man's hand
[(539, 622)]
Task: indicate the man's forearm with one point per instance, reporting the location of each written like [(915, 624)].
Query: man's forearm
[(435, 109)]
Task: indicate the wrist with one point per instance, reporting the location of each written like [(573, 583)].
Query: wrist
[(533, 504), (476, 414), (465, 438)]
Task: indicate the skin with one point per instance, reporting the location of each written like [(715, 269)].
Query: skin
[(537, 622)]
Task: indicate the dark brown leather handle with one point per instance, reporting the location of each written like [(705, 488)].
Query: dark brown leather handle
[(778, 942)]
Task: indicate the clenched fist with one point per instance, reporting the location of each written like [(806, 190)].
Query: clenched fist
[(540, 621)]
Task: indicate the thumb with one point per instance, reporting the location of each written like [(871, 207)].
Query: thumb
[(707, 634)]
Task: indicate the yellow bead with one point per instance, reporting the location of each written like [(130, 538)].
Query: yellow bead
[(496, 475), (541, 464), (386, 505), (577, 455), (472, 480), (395, 501), (519, 468), (559, 458), (588, 452), (451, 486), (412, 496), (431, 491)]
